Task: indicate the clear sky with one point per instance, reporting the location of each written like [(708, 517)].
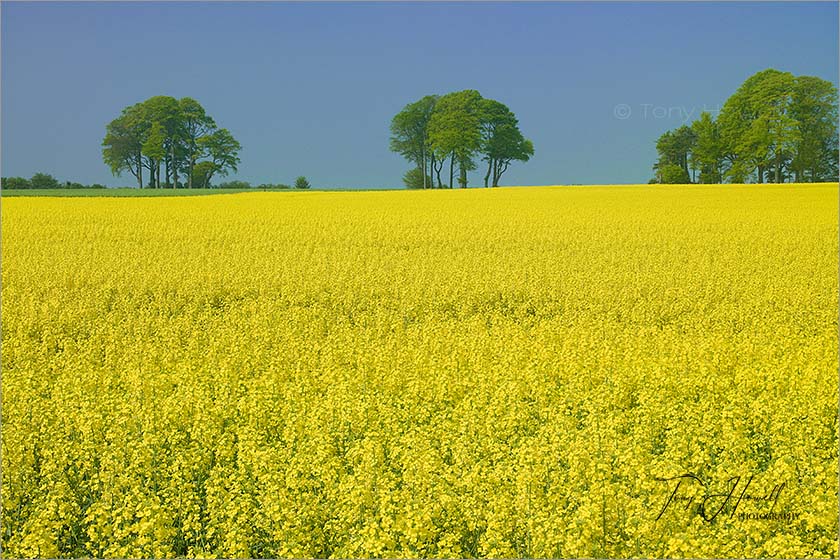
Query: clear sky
[(310, 88)]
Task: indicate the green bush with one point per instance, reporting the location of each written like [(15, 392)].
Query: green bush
[(235, 185), (302, 183)]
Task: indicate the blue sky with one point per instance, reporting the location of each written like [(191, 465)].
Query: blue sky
[(310, 88)]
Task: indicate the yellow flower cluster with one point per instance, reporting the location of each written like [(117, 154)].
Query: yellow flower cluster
[(504, 372)]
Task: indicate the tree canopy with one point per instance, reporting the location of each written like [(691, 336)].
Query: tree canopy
[(776, 127)]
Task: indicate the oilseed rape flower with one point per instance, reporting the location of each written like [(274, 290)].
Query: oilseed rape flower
[(481, 373)]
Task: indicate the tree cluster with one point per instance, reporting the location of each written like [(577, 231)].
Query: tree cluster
[(776, 127), (457, 127), (43, 181), (173, 135)]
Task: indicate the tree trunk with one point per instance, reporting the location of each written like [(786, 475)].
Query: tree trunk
[(168, 171), (778, 168), (438, 168), (500, 171), (760, 174), (463, 178), (424, 167), (487, 175), (174, 167), (139, 171), (451, 169)]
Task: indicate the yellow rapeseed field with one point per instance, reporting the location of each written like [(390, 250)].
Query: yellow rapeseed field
[(503, 372)]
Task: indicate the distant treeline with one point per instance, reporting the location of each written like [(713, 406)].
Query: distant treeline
[(776, 127), (300, 183), (43, 181)]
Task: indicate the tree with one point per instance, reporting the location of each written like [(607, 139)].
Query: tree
[(683, 143), (501, 140), (123, 143), (414, 179), (707, 153), (223, 150), (410, 135), (671, 173), (164, 110), (43, 181), (454, 131), (195, 124), (735, 119), (302, 183), (774, 130), (154, 150), (814, 108), (494, 116), (201, 174), (756, 126), (674, 148)]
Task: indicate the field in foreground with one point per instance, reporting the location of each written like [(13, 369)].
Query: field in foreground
[(503, 372)]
